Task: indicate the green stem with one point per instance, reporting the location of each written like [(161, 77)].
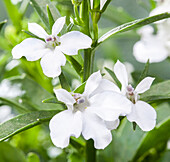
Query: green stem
[(90, 151), (77, 14)]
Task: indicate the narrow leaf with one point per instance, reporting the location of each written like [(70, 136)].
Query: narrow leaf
[(50, 18), (160, 91), (134, 24), (24, 122), (52, 100), (112, 74), (145, 72), (33, 35), (40, 7), (63, 82), (80, 89), (76, 65)]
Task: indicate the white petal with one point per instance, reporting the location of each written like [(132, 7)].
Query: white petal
[(63, 125), (64, 96), (72, 41), (152, 48), (95, 128), (109, 105), (92, 83), (144, 85), (102, 3), (105, 85), (91, 3), (51, 63), (58, 25), (112, 124), (37, 30), (121, 74), (33, 49), (144, 115)]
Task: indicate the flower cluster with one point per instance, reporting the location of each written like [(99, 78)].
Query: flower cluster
[(154, 47), (95, 112)]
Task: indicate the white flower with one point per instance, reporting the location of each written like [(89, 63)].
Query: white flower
[(52, 49), (15, 1), (93, 113), (102, 3), (152, 47), (5, 113), (142, 113)]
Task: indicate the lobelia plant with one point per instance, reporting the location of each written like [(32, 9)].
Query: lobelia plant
[(97, 106)]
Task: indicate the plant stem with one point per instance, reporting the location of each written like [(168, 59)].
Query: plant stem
[(77, 14), (90, 151)]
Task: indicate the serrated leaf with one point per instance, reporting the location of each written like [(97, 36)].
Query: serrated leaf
[(40, 7), (160, 134), (132, 25), (112, 74), (160, 91), (2, 24), (24, 122)]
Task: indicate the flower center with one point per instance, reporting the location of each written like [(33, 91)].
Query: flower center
[(131, 94), (52, 42), (81, 102)]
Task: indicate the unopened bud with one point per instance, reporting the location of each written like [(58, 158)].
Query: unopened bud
[(76, 2)]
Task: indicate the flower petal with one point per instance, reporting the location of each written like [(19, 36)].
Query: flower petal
[(144, 115), (102, 3), (37, 30), (91, 3), (112, 124), (58, 25), (72, 41), (64, 96), (51, 63), (95, 128), (110, 105), (33, 49), (144, 85), (63, 125), (92, 83), (121, 74)]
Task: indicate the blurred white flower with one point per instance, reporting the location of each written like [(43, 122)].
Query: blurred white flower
[(52, 49), (5, 113), (15, 1), (142, 113), (12, 64), (10, 90), (93, 113), (155, 47)]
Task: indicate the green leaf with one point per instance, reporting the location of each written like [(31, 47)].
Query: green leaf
[(160, 91), (2, 24), (63, 82), (76, 65), (160, 134), (112, 74), (40, 7), (132, 25), (52, 100), (9, 153), (50, 18), (24, 122), (33, 35), (145, 72), (80, 89)]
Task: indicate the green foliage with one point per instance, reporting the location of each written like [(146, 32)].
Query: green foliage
[(24, 122), (9, 153), (2, 24)]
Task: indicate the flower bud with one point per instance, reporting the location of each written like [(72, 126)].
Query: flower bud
[(76, 2)]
